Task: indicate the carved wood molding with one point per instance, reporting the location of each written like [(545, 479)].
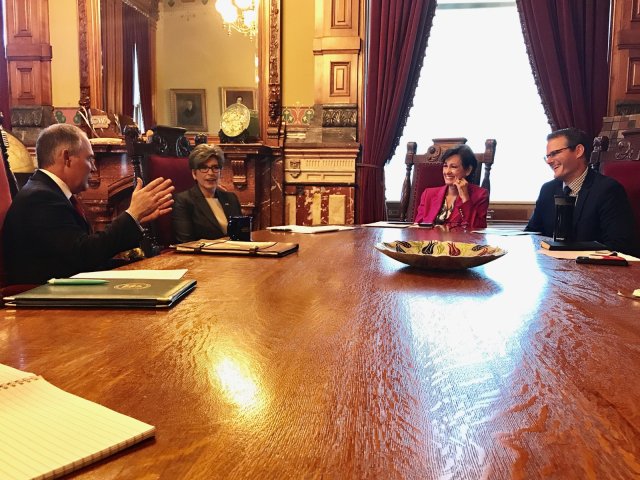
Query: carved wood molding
[(90, 50), (273, 85), (337, 48), (149, 8), (339, 115), (111, 32), (625, 64), (28, 52)]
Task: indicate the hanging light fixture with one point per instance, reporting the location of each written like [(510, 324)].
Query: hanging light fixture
[(239, 15)]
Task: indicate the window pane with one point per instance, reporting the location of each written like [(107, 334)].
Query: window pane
[(476, 82), (137, 103)]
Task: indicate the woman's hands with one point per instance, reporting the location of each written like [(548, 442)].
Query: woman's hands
[(463, 189)]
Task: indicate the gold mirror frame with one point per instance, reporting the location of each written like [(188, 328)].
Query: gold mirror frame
[(270, 49)]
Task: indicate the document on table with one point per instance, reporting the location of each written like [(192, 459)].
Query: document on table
[(633, 294), (505, 232), (311, 229), (116, 274), (383, 224), (573, 254)]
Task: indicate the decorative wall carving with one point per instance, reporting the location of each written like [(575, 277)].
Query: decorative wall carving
[(627, 108), (339, 115), (28, 120)]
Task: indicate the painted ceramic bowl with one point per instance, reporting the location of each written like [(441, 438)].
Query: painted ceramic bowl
[(434, 254)]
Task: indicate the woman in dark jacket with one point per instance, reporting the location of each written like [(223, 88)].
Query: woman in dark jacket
[(202, 212)]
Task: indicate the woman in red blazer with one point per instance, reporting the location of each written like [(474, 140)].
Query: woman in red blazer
[(458, 202)]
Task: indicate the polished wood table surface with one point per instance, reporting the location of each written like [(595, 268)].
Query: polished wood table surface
[(338, 362)]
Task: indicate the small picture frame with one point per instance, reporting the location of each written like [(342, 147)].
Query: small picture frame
[(244, 95), (189, 109)]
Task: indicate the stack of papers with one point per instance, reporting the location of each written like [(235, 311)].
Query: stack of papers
[(505, 232), (383, 224), (573, 254), (312, 229), (146, 274), (635, 294)]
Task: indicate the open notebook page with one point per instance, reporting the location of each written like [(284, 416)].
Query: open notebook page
[(47, 432)]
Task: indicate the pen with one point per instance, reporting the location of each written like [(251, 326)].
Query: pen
[(274, 229), (77, 281)]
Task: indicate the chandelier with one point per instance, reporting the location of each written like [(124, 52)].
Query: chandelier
[(239, 15)]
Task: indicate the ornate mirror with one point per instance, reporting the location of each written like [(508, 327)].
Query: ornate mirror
[(199, 68)]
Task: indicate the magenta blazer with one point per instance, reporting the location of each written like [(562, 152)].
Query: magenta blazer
[(472, 214)]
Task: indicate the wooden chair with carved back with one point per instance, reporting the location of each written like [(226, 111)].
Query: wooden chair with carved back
[(167, 156), (8, 190), (620, 159), (425, 171)]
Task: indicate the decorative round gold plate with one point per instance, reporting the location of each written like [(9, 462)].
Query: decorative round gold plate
[(235, 120), (19, 159)]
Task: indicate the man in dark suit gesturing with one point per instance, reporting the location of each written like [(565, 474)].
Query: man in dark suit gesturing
[(45, 232), (602, 210)]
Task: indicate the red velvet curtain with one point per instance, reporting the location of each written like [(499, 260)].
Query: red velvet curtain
[(397, 40), (4, 77), (568, 46), (136, 39)]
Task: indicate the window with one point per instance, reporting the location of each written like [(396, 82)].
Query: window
[(137, 103), (476, 82)]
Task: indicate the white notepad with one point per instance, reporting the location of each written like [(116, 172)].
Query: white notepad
[(47, 432)]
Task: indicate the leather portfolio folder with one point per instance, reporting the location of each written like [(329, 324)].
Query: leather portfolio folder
[(230, 247), (114, 293)]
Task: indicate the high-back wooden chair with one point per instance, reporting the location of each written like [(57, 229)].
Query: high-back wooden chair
[(167, 156), (8, 176), (427, 171), (8, 189), (620, 159), (5, 203)]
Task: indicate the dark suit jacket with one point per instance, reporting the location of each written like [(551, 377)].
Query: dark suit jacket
[(473, 212), (44, 235), (193, 219), (602, 212)]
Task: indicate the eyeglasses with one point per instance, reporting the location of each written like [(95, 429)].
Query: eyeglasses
[(205, 168), (553, 153)]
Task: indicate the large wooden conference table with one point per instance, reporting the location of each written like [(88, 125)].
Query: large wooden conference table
[(338, 362)]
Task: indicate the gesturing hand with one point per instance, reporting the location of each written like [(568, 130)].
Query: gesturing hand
[(463, 189), (152, 200)]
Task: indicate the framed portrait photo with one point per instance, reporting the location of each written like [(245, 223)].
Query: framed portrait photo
[(244, 95), (189, 109)]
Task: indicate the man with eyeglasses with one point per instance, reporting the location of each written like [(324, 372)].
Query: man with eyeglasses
[(203, 210), (602, 210), (46, 233)]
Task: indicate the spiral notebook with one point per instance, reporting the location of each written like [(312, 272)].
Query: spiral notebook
[(46, 432)]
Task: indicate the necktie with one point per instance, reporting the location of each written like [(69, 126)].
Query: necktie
[(567, 190), (78, 206)]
